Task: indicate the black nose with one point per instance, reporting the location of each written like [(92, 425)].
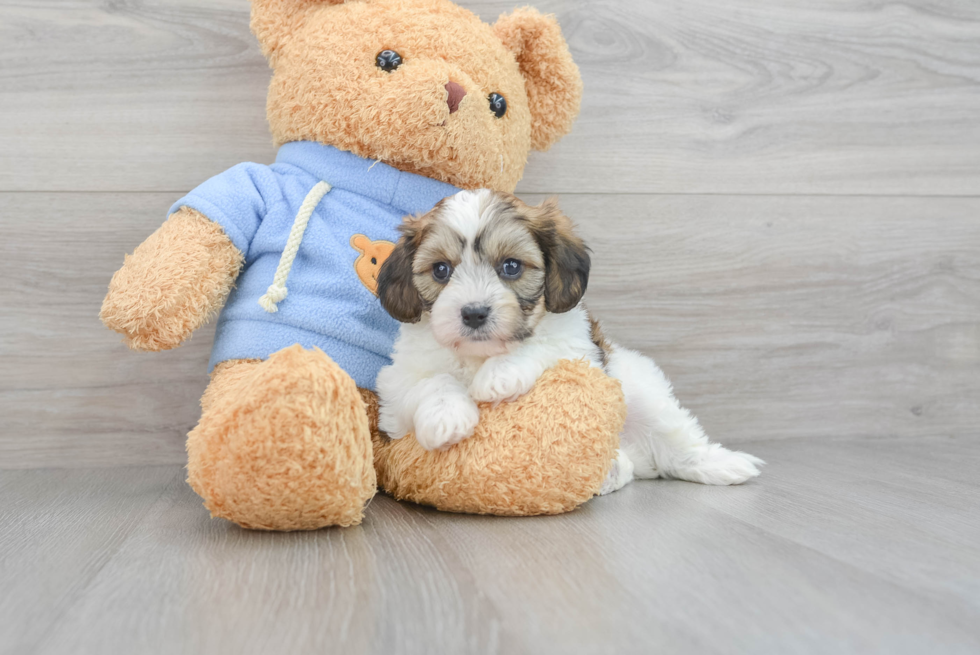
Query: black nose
[(474, 316)]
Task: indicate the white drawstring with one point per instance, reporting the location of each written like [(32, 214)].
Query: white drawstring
[(277, 290)]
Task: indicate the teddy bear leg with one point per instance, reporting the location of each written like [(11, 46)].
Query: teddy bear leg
[(282, 444)]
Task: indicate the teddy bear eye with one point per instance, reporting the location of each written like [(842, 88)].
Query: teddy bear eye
[(388, 60), (498, 104)]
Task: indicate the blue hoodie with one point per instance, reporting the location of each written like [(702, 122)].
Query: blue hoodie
[(328, 306)]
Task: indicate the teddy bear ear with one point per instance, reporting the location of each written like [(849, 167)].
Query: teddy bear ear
[(553, 82), (274, 20)]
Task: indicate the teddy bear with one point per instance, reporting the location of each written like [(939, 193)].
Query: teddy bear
[(380, 108)]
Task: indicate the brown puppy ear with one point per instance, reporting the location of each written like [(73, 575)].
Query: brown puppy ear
[(553, 82), (396, 287), (566, 257), (273, 21)]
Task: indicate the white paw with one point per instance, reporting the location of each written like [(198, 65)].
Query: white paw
[(721, 466), (619, 475), (443, 421), (501, 380)]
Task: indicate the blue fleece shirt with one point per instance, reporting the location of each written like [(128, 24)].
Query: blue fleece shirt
[(328, 305)]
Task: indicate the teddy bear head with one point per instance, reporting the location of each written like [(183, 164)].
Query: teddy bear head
[(422, 85)]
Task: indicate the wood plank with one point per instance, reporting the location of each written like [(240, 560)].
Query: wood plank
[(896, 505), (664, 573), (782, 317), (830, 551), (186, 583), (58, 529), (712, 96), (70, 392), (776, 318)]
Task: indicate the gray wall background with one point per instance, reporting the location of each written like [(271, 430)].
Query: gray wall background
[(783, 198)]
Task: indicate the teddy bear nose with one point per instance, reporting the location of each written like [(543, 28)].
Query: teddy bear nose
[(456, 94)]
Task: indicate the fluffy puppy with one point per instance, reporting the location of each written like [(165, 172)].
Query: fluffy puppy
[(488, 292)]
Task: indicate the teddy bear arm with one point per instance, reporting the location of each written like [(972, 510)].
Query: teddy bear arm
[(173, 283)]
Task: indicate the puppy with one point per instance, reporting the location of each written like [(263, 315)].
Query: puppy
[(488, 290)]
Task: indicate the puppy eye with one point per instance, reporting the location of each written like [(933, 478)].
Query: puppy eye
[(512, 269), (441, 271), (388, 60), (498, 104)]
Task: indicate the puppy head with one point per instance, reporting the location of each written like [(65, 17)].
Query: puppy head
[(486, 267)]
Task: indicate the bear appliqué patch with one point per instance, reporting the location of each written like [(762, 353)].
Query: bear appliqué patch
[(373, 255)]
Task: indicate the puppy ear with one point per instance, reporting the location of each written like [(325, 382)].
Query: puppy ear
[(274, 21), (566, 257), (552, 80), (396, 288)]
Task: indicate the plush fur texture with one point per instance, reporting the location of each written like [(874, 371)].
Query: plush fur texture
[(172, 284), (547, 453), (283, 444), (403, 117), (554, 90)]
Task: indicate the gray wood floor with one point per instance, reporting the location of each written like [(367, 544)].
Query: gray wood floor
[(783, 197), (846, 546)]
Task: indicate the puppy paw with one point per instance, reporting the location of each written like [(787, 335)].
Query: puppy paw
[(619, 475), (501, 380), (720, 466), (443, 421)]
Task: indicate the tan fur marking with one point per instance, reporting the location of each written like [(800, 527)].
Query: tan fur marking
[(506, 235), (396, 291), (440, 243), (437, 243), (599, 339), (555, 260), (566, 257)]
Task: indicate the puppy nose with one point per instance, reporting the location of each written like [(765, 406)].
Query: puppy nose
[(475, 316), (456, 94)]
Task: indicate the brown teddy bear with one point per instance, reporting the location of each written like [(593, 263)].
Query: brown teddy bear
[(381, 109)]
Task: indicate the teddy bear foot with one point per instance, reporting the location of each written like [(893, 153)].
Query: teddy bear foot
[(283, 444)]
